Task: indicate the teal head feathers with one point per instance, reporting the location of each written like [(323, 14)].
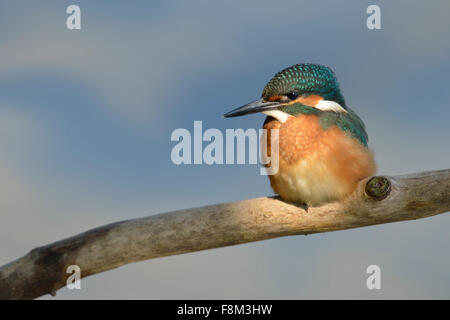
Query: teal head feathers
[(305, 79)]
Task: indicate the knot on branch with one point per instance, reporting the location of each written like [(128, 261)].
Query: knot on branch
[(378, 188)]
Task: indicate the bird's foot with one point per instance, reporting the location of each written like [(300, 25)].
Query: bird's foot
[(302, 205), (305, 206)]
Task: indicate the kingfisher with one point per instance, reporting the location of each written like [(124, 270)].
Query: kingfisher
[(322, 143)]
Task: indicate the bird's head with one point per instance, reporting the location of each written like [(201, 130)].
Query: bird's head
[(297, 89)]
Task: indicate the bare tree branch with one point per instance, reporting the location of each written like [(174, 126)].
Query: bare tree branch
[(377, 200)]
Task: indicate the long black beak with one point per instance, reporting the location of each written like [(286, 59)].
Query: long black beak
[(252, 107)]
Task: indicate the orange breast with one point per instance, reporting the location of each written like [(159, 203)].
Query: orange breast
[(316, 165)]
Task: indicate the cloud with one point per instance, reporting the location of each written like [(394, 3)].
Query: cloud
[(133, 68)]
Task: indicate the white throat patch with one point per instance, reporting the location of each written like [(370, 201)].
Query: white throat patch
[(326, 105), (278, 114)]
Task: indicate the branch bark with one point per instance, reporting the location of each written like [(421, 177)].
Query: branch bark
[(377, 200)]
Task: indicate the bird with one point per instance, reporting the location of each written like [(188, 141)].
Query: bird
[(322, 143)]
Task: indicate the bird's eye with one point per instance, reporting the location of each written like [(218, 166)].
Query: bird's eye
[(292, 95)]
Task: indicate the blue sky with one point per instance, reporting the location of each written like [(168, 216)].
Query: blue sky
[(86, 118)]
